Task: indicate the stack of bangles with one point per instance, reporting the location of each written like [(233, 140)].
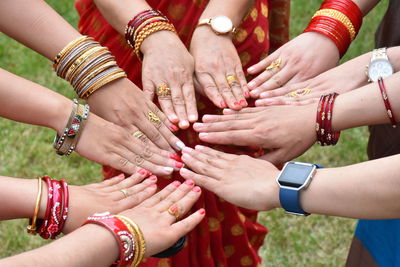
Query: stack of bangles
[(87, 66), (56, 211), (339, 20), (129, 237), (67, 142), (143, 25), (325, 134)]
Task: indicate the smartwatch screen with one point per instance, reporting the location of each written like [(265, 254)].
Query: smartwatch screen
[(294, 175)]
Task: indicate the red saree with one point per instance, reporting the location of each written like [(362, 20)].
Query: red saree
[(228, 236)]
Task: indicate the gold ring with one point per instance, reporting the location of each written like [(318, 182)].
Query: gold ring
[(154, 119), (231, 79), (275, 64), (299, 92), (141, 136), (125, 192), (173, 210), (163, 90)]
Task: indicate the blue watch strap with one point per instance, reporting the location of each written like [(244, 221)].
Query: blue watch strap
[(290, 199)]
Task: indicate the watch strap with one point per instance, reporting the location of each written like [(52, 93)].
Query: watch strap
[(204, 22)]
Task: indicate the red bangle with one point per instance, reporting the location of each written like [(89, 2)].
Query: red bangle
[(385, 98), (55, 215), (121, 233), (325, 135), (319, 127), (65, 206)]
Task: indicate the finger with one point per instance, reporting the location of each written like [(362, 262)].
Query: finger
[(137, 198), (160, 196), (210, 89), (119, 162), (198, 166), (175, 196), (190, 100), (207, 159), (182, 227), (178, 101), (223, 118), (242, 81), (237, 137), (214, 153), (113, 181), (237, 90), (201, 180), (226, 92), (168, 109), (242, 111), (260, 66), (148, 88), (135, 189), (261, 78), (280, 91), (276, 81), (183, 205), (223, 126)]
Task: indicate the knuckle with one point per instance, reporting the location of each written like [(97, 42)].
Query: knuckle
[(155, 136), (225, 89), (178, 100)]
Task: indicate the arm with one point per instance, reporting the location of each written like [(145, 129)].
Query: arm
[(368, 190), (48, 33)]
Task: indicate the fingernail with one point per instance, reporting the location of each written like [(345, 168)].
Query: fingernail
[(203, 135), (250, 68), (178, 164), (173, 118), (153, 178), (246, 94), (243, 102), (197, 125), (168, 169), (251, 84), (189, 182), (254, 94), (196, 189), (187, 150), (199, 147), (180, 145), (176, 183), (264, 94), (121, 175), (175, 157), (184, 124), (185, 157), (148, 172), (193, 118), (223, 104), (207, 117), (142, 172), (184, 170), (202, 211), (173, 127), (236, 103)]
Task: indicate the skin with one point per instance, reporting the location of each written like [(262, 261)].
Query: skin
[(93, 238), (101, 141), (120, 101), (288, 131), (299, 61), (355, 191)]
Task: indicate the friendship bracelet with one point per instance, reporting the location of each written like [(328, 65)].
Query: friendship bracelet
[(385, 98), (31, 228)]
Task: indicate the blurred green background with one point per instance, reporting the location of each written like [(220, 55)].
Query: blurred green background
[(26, 151)]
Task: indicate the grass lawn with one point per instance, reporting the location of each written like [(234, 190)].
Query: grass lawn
[(26, 151)]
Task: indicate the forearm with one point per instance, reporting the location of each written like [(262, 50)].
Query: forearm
[(24, 101), (119, 13), (366, 6), (235, 10), (36, 25), (96, 247), (368, 190)]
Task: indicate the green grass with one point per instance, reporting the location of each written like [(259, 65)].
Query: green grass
[(26, 152)]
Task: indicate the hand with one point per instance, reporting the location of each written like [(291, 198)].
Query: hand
[(242, 180), (345, 77), (123, 103), (107, 196), (304, 57), (161, 229), (167, 61), (287, 131), (109, 144), (215, 59)]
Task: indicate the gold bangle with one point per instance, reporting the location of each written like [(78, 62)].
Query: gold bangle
[(109, 78), (93, 72), (340, 17), (31, 228), (74, 56), (68, 48)]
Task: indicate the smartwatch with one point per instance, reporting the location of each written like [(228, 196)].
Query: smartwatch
[(294, 177), (380, 66), (219, 24)]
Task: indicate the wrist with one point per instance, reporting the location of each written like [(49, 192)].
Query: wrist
[(59, 114), (205, 32), (154, 40)]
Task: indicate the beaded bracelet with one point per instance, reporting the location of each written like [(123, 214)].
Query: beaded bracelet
[(385, 98), (84, 61), (325, 135), (339, 20)]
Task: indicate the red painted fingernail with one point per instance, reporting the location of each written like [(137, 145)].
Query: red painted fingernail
[(149, 172), (202, 211), (153, 178), (196, 189), (178, 164), (173, 127), (121, 175), (243, 102), (176, 183), (223, 104), (189, 182), (143, 172), (246, 94), (175, 157), (236, 104)]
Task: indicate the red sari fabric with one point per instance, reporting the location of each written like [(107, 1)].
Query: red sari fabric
[(228, 236)]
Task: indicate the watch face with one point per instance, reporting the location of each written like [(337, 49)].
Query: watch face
[(221, 24), (379, 68), (295, 174)]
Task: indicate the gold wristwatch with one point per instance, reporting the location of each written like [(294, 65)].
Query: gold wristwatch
[(380, 66), (219, 24)]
